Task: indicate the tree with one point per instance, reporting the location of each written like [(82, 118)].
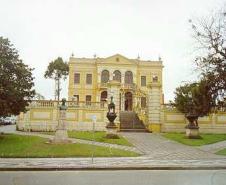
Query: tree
[(210, 36), (193, 99), (38, 96), (56, 70), (16, 81)]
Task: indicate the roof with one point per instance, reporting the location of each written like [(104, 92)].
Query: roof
[(117, 58)]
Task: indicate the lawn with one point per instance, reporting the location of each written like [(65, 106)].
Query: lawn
[(221, 152), (12, 145), (204, 140), (98, 136)]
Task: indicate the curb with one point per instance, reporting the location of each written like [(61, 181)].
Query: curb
[(90, 168)]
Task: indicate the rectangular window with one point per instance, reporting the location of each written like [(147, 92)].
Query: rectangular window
[(88, 99), (143, 80), (88, 78), (143, 102), (77, 78), (155, 78), (76, 98)]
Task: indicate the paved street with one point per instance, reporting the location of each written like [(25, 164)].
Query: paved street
[(150, 177)]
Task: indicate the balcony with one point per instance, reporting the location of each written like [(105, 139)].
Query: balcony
[(132, 86), (102, 85)]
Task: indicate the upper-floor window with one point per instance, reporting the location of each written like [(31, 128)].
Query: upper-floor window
[(88, 78), (143, 80), (77, 78), (128, 77), (104, 76), (117, 75)]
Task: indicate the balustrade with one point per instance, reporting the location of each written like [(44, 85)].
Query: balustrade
[(72, 104)]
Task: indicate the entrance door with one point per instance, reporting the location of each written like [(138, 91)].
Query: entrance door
[(128, 101)]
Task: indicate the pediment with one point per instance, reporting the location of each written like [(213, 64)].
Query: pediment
[(116, 59)]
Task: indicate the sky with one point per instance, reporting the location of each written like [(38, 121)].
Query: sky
[(42, 30)]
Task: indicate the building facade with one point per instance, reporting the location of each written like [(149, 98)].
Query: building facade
[(127, 80)]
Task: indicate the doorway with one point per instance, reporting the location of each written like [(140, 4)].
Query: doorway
[(128, 101)]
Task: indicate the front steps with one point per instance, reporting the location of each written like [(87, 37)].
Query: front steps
[(130, 122)]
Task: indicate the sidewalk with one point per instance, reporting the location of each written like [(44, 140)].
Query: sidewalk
[(213, 148), (138, 163), (158, 147)]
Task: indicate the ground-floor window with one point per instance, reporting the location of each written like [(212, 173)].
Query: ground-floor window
[(76, 98), (103, 98), (88, 99)]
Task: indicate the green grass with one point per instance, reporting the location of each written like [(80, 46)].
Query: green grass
[(221, 152), (98, 136), (204, 140), (12, 145)]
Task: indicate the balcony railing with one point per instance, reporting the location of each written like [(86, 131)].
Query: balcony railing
[(102, 85), (70, 104), (132, 86)]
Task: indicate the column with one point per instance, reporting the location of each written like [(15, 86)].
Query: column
[(154, 107), (122, 101)]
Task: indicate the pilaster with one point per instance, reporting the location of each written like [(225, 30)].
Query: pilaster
[(154, 107)]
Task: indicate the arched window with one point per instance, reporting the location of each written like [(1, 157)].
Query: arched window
[(128, 77), (117, 75), (104, 76), (103, 98)]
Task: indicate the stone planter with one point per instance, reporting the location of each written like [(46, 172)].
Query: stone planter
[(192, 129)]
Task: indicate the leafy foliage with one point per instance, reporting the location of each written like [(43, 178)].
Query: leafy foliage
[(16, 81), (210, 36), (193, 98), (38, 96), (56, 70)]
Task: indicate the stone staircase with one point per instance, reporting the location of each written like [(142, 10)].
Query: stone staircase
[(130, 122)]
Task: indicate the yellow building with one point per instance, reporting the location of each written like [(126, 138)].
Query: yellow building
[(136, 88), (90, 80)]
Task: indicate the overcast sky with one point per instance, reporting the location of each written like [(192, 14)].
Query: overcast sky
[(42, 30)]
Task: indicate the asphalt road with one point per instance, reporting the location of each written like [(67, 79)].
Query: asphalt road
[(142, 177)]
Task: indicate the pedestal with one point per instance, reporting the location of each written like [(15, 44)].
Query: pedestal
[(61, 135), (111, 132), (193, 133)]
